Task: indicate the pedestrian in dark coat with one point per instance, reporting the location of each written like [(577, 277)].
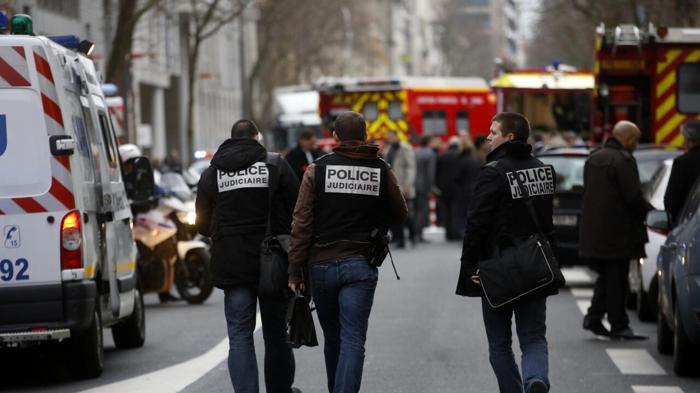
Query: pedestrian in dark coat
[(467, 170), (445, 181), (497, 218), (426, 165), (304, 154), (233, 203), (685, 171), (612, 227)]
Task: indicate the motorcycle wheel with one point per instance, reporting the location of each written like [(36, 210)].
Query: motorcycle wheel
[(193, 277)]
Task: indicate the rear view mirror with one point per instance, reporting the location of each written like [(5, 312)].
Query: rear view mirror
[(61, 145), (138, 178), (658, 221)]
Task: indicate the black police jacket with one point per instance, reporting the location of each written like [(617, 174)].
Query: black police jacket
[(350, 198), (497, 213), (233, 202), (685, 171)]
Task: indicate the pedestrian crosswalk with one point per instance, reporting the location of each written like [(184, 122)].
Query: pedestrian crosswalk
[(628, 361)]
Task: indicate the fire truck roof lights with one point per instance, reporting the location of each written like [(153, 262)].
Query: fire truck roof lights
[(4, 22)]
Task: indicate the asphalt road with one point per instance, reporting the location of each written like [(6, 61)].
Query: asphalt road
[(422, 338)]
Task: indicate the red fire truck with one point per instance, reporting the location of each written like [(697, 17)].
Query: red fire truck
[(413, 106), (650, 77)]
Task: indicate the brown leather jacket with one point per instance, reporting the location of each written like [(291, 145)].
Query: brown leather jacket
[(302, 250)]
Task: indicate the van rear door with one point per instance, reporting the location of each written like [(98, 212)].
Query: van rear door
[(34, 195)]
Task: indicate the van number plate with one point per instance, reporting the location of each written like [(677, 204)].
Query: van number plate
[(14, 270)]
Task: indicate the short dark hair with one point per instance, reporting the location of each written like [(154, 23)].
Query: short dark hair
[(350, 126), (425, 140), (513, 123), (691, 130), (244, 128), (306, 135)]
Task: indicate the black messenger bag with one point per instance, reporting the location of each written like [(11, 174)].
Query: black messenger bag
[(524, 268)]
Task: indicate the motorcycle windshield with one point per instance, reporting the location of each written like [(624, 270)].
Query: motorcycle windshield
[(174, 183)]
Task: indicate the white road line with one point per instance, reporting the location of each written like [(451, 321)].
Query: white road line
[(635, 361), (577, 275), (656, 389), (174, 378), (585, 293)]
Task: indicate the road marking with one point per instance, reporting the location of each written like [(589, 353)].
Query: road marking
[(635, 361), (656, 389), (577, 275), (585, 293), (174, 378)]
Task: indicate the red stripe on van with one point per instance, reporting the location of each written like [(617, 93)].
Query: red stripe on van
[(9, 74), (52, 109), (63, 160), (1, 212), (43, 67), (20, 50), (61, 193), (29, 205)]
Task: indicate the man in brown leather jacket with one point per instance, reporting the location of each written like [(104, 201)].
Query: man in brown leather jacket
[(344, 196)]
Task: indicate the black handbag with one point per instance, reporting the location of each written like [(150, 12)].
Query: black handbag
[(301, 330), (273, 253), (527, 266)]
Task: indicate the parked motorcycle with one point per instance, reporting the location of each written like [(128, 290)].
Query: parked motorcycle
[(170, 250)]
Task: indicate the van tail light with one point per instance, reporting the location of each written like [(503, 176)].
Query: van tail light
[(71, 241)]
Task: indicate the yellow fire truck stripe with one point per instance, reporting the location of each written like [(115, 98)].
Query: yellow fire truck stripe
[(360, 103), (389, 96), (382, 105), (669, 127), (666, 106), (666, 83), (678, 140), (671, 56)]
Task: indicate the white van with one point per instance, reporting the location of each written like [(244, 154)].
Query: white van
[(67, 258)]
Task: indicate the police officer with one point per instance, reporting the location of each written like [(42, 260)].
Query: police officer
[(232, 208), (344, 196), (495, 218)]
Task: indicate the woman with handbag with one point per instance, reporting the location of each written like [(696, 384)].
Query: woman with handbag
[(506, 256)]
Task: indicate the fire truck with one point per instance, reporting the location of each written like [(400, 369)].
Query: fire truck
[(556, 97), (650, 77), (413, 106)]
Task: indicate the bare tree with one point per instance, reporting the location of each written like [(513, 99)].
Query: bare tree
[(207, 19), (130, 12)]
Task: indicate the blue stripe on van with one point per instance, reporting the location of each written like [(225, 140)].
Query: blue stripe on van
[(3, 135)]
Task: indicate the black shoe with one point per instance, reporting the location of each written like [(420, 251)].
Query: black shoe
[(296, 390), (595, 326), (538, 386), (627, 334)]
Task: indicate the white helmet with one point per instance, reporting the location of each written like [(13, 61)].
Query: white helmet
[(129, 151)]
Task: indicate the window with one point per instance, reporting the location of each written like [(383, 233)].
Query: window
[(110, 146), (63, 7), (689, 88), (434, 123), (462, 121), (370, 112), (395, 110)]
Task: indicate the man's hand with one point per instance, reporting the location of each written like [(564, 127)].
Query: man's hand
[(296, 286), (476, 280)]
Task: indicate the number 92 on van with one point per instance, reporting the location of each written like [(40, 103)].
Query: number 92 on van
[(14, 270)]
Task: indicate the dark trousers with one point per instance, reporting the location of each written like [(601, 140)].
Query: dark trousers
[(530, 324), (240, 307), (344, 292), (421, 216), (448, 218), (397, 231), (609, 292)]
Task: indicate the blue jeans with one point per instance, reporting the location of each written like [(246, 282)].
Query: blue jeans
[(343, 292), (530, 324), (240, 307)]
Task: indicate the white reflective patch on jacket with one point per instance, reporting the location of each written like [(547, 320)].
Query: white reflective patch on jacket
[(538, 181), (255, 176), (347, 179)]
